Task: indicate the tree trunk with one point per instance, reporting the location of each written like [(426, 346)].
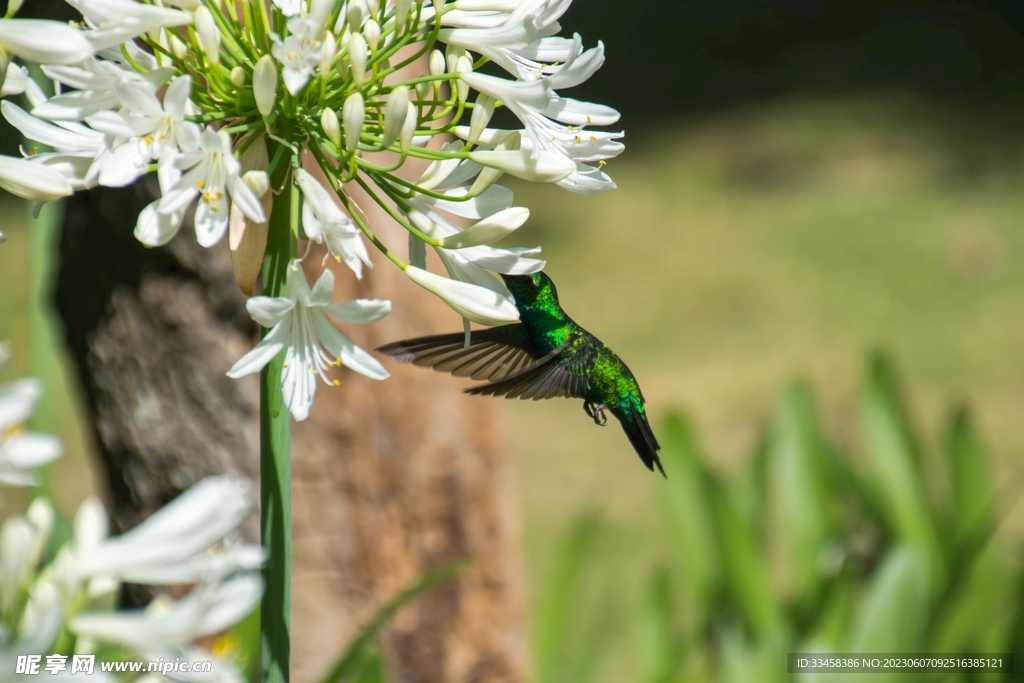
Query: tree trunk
[(390, 479)]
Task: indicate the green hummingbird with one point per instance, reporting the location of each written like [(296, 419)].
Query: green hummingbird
[(545, 355)]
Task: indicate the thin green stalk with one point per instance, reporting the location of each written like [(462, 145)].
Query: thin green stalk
[(275, 461)]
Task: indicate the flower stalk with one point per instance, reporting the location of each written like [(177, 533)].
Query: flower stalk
[(275, 460)]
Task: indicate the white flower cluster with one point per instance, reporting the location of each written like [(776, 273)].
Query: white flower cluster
[(59, 597), (234, 104)]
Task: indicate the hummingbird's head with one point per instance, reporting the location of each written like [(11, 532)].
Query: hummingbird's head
[(532, 288)]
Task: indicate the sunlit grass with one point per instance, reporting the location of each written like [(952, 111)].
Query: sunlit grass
[(782, 239)]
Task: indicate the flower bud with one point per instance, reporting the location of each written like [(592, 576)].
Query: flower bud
[(402, 11), (327, 53), (264, 84), (481, 305), (423, 91), (352, 114), (247, 239), (343, 69), (395, 114), (483, 109), (178, 47), (329, 122), (238, 76), (33, 181), (488, 175), (357, 55), (208, 34), (547, 167), (320, 10), (408, 129), (463, 66), (373, 8), (417, 252), (371, 31), (488, 230), (436, 63), (356, 14), (452, 57)]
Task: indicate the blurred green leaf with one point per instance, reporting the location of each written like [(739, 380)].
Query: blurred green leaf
[(895, 467), (973, 501), (746, 565), (658, 653), (763, 660), (373, 670), (894, 611), (796, 489), (981, 598), (560, 598), (360, 652), (688, 514)]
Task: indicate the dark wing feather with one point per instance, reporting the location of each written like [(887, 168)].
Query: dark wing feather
[(563, 373), (493, 354)]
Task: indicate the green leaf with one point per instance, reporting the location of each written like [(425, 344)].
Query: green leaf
[(973, 502), (796, 492), (658, 656), (688, 514), (895, 468), (360, 652), (894, 612), (556, 608), (746, 564)]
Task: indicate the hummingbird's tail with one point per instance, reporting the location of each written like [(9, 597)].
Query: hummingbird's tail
[(635, 424)]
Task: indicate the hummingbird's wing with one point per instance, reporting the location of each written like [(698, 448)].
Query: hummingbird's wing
[(493, 354), (563, 373)]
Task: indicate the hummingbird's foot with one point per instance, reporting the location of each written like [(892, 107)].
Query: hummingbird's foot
[(596, 412)]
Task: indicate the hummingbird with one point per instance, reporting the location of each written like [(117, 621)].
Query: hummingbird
[(545, 355)]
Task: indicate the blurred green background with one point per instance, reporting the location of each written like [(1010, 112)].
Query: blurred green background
[(805, 181)]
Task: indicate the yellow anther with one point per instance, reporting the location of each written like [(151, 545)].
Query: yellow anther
[(593, 137), (578, 140), (571, 129), (225, 645), (337, 258), (588, 119), (291, 56), (602, 162), (201, 184), (336, 383), (315, 372)]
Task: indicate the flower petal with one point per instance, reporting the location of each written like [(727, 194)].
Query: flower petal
[(359, 310), (264, 352)]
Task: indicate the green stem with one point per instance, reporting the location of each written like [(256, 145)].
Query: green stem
[(275, 462)]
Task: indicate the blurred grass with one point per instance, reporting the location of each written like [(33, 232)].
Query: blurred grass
[(782, 239), (35, 337)]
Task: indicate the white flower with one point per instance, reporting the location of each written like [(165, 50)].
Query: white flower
[(149, 130), (206, 610), (288, 7), (33, 181), (299, 53), (214, 178), (323, 221), (114, 22), (171, 546), (14, 80), (312, 345), (473, 302), (94, 83), (43, 42)]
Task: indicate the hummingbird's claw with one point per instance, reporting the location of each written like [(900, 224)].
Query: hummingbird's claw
[(596, 412)]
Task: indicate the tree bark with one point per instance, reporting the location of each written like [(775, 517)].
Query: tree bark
[(390, 479)]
